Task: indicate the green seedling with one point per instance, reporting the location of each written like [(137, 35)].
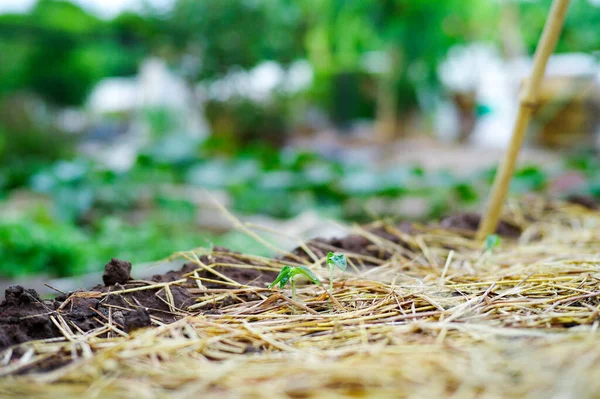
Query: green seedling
[(333, 261), (290, 274), (491, 242)]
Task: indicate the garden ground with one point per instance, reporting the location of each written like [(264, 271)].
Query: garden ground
[(422, 311)]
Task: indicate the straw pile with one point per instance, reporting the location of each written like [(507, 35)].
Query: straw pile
[(435, 316)]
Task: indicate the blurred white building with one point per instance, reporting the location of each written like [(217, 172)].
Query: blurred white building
[(262, 82), (154, 88), (480, 69)]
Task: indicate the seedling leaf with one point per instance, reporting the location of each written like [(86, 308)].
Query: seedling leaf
[(282, 278), (337, 260), (491, 242), (306, 272), (285, 279)]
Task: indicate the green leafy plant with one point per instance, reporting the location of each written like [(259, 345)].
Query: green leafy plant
[(290, 274), (491, 242), (335, 260)]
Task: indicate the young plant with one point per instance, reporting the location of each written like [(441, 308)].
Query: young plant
[(333, 261), (291, 274), (491, 242)]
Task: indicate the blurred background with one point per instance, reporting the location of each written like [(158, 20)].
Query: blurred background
[(123, 124)]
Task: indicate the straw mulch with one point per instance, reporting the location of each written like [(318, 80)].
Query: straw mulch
[(442, 317)]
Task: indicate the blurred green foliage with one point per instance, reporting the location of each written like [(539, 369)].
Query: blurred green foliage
[(59, 51), (264, 180), (52, 56), (33, 247), (579, 32), (226, 33), (240, 121), (140, 215), (410, 36), (42, 244), (28, 142)]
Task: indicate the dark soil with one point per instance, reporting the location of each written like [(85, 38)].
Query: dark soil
[(24, 316), (469, 222), (586, 201), (358, 244), (221, 256), (139, 318), (116, 272)]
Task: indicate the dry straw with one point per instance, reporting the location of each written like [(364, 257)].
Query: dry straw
[(438, 316)]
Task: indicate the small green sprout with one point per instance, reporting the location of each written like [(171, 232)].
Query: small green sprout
[(291, 274), (491, 242), (333, 261)]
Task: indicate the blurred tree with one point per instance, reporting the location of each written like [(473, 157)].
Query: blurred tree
[(55, 53), (407, 38), (363, 51), (57, 67), (208, 39), (228, 33), (59, 51), (580, 33)]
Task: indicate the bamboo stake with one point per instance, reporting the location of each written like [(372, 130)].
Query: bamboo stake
[(528, 100)]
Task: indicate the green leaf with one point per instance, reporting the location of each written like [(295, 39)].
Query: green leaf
[(337, 260), (491, 241), (286, 278), (306, 272), (283, 277)]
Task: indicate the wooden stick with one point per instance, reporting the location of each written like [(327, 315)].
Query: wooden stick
[(528, 100)]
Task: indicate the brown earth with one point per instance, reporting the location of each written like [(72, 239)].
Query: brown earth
[(24, 316)]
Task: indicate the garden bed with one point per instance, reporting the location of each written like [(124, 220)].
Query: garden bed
[(422, 311)]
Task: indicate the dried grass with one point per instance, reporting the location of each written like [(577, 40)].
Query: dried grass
[(440, 318)]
